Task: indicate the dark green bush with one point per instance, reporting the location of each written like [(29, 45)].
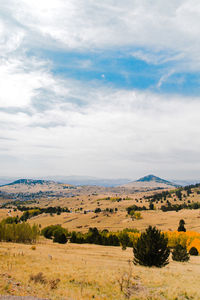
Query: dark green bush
[(193, 251), (151, 249), (180, 253), (181, 226), (55, 232), (59, 236)]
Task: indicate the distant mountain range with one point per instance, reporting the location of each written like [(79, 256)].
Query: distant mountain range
[(71, 180), (86, 180), (30, 182)]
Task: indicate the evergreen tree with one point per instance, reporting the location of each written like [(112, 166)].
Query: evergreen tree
[(194, 251), (180, 253), (59, 237), (181, 226), (151, 249), (151, 206)]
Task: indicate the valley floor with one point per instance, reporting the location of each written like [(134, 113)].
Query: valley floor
[(92, 272)]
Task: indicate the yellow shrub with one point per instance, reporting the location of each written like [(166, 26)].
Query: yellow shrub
[(186, 239), (195, 243)]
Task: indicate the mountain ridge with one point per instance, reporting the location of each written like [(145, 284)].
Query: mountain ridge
[(151, 177), (30, 182)]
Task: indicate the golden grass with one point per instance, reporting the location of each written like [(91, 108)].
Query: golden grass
[(91, 271), (117, 221)]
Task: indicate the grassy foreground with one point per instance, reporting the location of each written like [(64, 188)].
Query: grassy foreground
[(92, 272)]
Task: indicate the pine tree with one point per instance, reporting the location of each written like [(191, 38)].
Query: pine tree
[(180, 253), (151, 249), (181, 226)]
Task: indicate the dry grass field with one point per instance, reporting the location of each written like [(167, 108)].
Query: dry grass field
[(83, 271), (92, 272), (117, 221)]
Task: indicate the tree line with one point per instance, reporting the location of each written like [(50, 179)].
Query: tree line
[(18, 233)]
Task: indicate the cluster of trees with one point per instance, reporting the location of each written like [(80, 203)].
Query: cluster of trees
[(29, 212), (113, 199), (135, 208), (178, 192), (47, 210), (110, 210), (125, 238), (152, 249), (135, 215), (177, 207), (18, 233), (55, 232), (158, 196), (93, 236)]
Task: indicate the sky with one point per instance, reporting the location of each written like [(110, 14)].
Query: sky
[(104, 88)]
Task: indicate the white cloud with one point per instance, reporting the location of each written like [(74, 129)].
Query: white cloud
[(172, 27), (113, 132), (20, 79), (55, 125)]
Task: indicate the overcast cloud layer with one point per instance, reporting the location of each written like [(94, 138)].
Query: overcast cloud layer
[(100, 88)]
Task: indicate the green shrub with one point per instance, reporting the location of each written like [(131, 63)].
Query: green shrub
[(48, 232), (55, 232), (151, 249), (59, 236), (180, 253), (181, 226), (193, 251)]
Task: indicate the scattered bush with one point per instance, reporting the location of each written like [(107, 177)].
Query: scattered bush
[(126, 282), (151, 249), (54, 283), (38, 278), (181, 226), (180, 253), (193, 251)]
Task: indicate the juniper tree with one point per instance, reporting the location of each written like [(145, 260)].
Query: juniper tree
[(180, 253), (151, 249), (181, 226), (194, 251)]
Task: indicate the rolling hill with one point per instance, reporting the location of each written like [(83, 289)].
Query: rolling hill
[(150, 181)]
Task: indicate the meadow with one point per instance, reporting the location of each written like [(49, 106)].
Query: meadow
[(87, 271), (76, 272)]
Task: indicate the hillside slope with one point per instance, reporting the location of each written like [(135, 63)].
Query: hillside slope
[(150, 181)]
